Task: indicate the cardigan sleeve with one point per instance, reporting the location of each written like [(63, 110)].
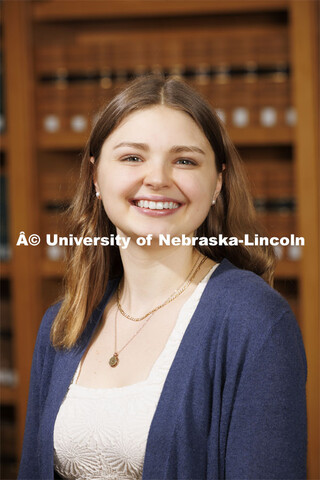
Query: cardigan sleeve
[(267, 432), (29, 464)]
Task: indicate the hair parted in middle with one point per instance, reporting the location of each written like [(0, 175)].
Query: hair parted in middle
[(89, 269)]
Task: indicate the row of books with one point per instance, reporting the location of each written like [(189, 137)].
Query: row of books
[(85, 50), (289, 289), (262, 84), (7, 374), (6, 356), (58, 177), (5, 251), (201, 73), (5, 311), (264, 102), (8, 442), (2, 112), (77, 121), (271, 179)]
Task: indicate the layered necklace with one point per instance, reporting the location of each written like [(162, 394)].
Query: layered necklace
[(114, 360)]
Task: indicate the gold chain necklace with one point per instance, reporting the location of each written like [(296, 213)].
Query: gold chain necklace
[(114, 360), (172, 297)]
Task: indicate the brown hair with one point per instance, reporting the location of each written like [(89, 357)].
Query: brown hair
[(88, 269)]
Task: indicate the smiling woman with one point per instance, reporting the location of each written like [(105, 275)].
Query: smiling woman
[(166, 361), (168, 178)]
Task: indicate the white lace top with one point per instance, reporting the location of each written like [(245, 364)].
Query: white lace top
[(102, 433)]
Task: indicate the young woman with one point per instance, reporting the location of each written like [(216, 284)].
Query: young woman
[(168, 357)]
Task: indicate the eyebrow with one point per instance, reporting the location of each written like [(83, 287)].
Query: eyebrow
[(140, 146), (174, 149)]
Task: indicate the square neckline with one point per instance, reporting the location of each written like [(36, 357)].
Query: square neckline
[(198, 292)]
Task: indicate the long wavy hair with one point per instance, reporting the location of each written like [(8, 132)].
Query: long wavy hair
[(89, 269)]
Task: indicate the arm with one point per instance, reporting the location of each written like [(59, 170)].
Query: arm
[(267, 433), (29, 465)]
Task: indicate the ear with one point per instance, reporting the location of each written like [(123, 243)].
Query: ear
[(219, 185), (94, 178)]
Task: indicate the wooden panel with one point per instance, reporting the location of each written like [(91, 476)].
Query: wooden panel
[(261, 136), (62, 141), (3, 142), (54, 10), (5, 269), (22, 192), (51, 269), (303, 20), (8, 396)]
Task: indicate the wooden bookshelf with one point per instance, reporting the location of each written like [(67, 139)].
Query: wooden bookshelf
[(26, 24), (48, 11)]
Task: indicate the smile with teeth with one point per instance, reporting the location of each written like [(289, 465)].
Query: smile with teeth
[(156, 205)]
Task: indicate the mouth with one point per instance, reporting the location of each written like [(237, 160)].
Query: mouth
[(152, 205), (156, 207)]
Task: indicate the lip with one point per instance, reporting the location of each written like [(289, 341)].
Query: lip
[(155, 213), (155, 198)]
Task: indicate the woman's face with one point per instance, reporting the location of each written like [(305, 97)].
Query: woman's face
[(157, 174)]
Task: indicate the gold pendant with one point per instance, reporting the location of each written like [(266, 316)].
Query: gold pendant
[(114, 360)]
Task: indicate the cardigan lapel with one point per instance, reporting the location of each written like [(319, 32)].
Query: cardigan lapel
[(177, 384), (64, 368)]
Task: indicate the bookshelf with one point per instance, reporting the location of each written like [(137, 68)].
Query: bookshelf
[(270, 77)]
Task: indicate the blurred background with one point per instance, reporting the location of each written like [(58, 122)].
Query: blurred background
[(256, 61)]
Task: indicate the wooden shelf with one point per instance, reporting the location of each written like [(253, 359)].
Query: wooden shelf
[(96, 9), (288, 269), (261, 136), (5, 269), (51, 269), (62, 141), (8, 395), (246, 136)]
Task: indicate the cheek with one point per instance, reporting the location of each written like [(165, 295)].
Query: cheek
[(114, 183), (199, 189)]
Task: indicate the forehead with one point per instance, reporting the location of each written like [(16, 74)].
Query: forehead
[(161, 126)]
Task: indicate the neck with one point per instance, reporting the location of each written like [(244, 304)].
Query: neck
[(152, 274)]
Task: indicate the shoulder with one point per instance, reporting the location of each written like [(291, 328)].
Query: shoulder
[(244, 293), (248, 311), (47, 321), (43, 337)]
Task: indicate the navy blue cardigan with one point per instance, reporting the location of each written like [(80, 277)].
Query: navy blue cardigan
[(233, 404)]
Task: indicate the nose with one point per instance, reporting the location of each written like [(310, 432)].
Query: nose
[(157, 175)]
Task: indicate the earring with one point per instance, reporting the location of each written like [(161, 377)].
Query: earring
[(213, 202), (98, 194)]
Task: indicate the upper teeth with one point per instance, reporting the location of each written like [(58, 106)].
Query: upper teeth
[(157, 205)]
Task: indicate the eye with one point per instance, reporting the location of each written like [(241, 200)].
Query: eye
[(186, 161), (131, 159)]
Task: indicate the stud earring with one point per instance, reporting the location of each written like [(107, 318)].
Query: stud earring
[(98, 194), (213, 202)]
